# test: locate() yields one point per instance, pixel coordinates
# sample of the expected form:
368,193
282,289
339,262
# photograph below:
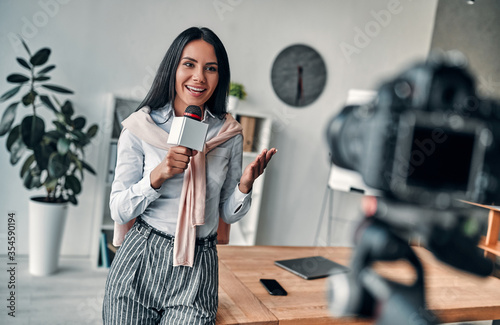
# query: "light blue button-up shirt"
133,196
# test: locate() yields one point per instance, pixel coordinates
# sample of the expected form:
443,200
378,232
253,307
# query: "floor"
73,295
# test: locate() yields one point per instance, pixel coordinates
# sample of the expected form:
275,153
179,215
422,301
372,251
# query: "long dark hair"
163,89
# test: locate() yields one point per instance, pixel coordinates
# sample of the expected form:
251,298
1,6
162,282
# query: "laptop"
313,267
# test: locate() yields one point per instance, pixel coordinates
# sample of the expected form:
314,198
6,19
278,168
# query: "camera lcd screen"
440,159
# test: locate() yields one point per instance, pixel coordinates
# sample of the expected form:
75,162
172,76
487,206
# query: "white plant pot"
232,103
46,225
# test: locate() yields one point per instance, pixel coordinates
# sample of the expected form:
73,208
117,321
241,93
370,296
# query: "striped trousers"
144,288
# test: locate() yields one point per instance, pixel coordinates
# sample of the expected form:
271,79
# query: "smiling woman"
164,88
172,202
197,76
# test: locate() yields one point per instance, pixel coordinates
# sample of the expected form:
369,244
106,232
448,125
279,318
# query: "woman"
166,270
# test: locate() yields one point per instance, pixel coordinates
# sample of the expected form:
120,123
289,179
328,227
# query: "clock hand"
300,90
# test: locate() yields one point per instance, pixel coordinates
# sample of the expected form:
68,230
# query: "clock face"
298,75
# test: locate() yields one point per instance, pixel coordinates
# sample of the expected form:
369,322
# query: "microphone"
193,112
188,130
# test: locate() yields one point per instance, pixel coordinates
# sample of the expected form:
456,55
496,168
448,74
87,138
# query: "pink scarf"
193,195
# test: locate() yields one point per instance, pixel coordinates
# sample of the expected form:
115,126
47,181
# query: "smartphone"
273,287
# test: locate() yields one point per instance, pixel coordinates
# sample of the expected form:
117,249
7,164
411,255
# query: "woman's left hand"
255,169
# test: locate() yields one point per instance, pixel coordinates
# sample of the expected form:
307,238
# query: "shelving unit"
119,109
242,233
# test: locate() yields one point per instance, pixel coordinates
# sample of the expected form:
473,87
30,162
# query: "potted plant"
54,156
236,93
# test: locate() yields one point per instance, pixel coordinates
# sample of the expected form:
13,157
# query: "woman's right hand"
175,162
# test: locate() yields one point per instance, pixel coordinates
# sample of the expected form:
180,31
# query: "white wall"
112,46
474,29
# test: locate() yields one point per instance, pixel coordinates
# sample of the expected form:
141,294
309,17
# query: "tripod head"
385,237
450,234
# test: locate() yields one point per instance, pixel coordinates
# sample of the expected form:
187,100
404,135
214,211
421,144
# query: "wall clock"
298,75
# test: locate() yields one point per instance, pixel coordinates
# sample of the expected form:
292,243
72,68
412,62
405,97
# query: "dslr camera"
427,139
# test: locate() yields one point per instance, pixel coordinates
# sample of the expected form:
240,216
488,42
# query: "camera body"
426,139
426,142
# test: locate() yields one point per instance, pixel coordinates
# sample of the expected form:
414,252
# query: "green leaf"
42,78
237,90
60,126
25,46
27,164
28,180
82,142
79,135
53,136
73,184
88,168
58,89
46,69
56,100
67,108
32,178
92,131
72,199
62,146
80,138
23,63
36,177
37,181
10,93
74,159
47,102
17,78
79,165
27,130
58,165
14,134
79,123
16,151
42,155
29,98
50,183
68,121
8,118
40,57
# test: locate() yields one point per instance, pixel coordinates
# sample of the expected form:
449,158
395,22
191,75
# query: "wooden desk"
454,296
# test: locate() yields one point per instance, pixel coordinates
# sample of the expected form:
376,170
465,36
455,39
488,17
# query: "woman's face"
197,76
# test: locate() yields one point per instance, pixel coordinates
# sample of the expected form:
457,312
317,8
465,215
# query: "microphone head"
193,112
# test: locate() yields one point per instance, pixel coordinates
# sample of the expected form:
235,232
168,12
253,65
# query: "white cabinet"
118,109
242,233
